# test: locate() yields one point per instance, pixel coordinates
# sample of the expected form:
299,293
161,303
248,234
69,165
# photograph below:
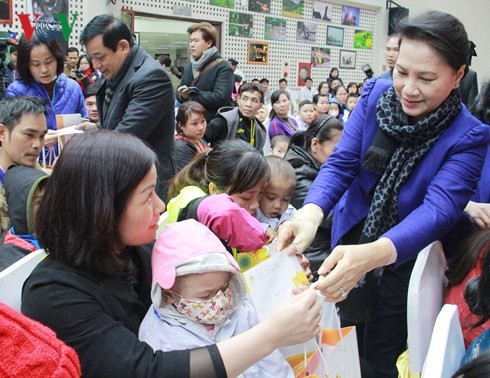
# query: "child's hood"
189,247
21,183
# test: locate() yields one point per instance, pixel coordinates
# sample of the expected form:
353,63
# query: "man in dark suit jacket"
136,96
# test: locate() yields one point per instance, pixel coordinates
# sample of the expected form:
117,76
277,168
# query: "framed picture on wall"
322,11
347,59
350,16
363,39
320,57
127,16
292,8
46,6
304,71
306,32
258,52
335,36
275,29
240,24
6,12
261,6
223,3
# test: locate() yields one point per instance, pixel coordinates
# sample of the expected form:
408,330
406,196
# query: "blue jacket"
477,347
67,97
431,200
482,193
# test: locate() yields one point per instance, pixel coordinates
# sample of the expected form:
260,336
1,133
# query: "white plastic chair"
446,348
425,300
12,278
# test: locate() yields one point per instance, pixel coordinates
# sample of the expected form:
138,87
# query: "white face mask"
333,113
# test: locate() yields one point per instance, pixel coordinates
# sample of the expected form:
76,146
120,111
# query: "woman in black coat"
93,289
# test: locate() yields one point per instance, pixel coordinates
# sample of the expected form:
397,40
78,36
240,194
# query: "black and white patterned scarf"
396,149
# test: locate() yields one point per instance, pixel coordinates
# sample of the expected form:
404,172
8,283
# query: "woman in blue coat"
406,165
40,67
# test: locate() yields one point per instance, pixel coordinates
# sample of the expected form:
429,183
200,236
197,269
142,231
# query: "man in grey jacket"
136,96
240,122
208,79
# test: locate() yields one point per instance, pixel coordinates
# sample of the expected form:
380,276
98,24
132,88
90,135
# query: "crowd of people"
354,179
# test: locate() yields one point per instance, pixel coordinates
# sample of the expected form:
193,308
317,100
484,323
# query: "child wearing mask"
335,109
199,296
274,206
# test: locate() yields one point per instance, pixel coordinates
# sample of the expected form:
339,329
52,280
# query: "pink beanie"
30,349
183,241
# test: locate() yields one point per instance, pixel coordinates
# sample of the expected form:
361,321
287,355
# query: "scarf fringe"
377,159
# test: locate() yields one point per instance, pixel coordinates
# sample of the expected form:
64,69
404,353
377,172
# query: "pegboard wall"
290,50
280,52
25,6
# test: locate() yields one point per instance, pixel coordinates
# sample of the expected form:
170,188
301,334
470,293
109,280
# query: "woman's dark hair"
442,32
164,59
232,165
466,256
321,129
274,98
322,83
184,112
334,69
350,85
86,197
111,28
477,292
85,56
481,106
336,89
478,367
24,55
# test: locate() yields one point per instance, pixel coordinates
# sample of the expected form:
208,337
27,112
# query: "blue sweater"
67,97
430,201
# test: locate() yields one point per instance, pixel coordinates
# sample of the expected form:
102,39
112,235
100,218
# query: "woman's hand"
51,138
479,212
298,233
347,264
294,321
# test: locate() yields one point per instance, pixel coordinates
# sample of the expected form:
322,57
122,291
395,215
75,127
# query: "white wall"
472,13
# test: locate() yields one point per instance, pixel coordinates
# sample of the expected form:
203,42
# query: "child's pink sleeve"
231,223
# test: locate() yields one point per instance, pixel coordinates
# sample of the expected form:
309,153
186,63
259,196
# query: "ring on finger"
343,294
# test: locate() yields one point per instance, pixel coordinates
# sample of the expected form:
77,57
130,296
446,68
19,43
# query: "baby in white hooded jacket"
199,297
